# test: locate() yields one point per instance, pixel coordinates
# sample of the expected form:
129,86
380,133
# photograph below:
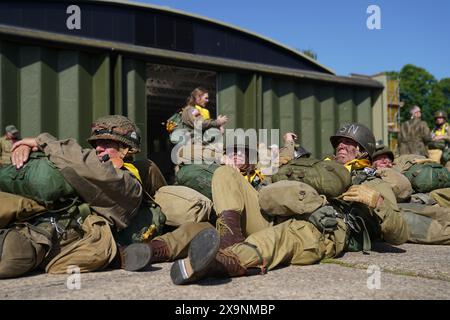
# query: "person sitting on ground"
103,179
228,253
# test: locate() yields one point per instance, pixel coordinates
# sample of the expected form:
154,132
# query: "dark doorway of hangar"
168,87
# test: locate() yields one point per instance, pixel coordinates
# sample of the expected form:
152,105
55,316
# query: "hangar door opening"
168,87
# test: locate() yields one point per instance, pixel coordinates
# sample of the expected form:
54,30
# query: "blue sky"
414,31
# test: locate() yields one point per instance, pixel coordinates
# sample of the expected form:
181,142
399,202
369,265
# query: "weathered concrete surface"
407,272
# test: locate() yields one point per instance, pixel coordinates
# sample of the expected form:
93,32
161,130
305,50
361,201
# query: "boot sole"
202,251
136,257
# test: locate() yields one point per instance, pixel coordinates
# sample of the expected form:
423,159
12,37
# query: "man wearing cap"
105,179
414,134
297,241
6,143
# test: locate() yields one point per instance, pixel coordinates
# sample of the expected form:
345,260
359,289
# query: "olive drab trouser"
232,192
55,245
178,240
22,248
394,229
94,250
427,224
441,196
294,241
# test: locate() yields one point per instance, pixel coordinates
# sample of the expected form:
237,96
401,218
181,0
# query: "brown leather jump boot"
160,251
229,226
134,257
205,259
138,256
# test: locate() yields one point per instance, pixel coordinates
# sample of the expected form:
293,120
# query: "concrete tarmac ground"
408,271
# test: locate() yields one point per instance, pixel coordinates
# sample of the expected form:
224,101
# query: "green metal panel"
50,90
134,72
309,131
119,84
30,90
9,85
101,101
49,96
363,105
270,104
345,107
237,97
288,102
69,95
326,119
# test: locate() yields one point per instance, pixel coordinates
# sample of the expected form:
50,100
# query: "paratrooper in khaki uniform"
427,215
295,241
103,177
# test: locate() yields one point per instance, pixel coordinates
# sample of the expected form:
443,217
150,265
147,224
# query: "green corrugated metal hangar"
61,66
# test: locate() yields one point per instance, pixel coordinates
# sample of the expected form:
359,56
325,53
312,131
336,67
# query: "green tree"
440,96
310,53
416,85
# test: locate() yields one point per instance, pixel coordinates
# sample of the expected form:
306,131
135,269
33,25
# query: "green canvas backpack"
197,177
38,179
426,177
327,177
147,224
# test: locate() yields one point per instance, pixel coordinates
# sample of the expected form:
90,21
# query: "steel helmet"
117,128
440,114
358,133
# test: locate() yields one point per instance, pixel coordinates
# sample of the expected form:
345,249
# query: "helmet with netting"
117,128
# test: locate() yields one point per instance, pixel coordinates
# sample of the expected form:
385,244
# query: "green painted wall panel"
287,104
62,91
101,101
9,85
308,115
327,118
30,91
69,93
49,93
85,92
345,107
270,104
237,98
134,71
363,106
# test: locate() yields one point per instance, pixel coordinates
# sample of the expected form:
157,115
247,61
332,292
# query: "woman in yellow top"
440,136
196,110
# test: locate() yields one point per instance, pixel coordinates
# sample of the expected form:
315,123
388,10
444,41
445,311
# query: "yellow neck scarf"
204,112
357,164
130,167
441,131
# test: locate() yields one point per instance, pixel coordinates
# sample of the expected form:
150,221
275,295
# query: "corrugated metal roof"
223,24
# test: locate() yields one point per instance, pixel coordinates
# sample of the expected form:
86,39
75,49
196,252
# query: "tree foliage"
416,85
310,53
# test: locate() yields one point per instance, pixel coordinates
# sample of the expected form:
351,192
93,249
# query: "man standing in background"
414,134
6,142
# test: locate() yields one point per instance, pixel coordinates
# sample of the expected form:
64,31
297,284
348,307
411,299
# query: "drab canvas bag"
38,179
147,224
197,177
327,177
425,177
